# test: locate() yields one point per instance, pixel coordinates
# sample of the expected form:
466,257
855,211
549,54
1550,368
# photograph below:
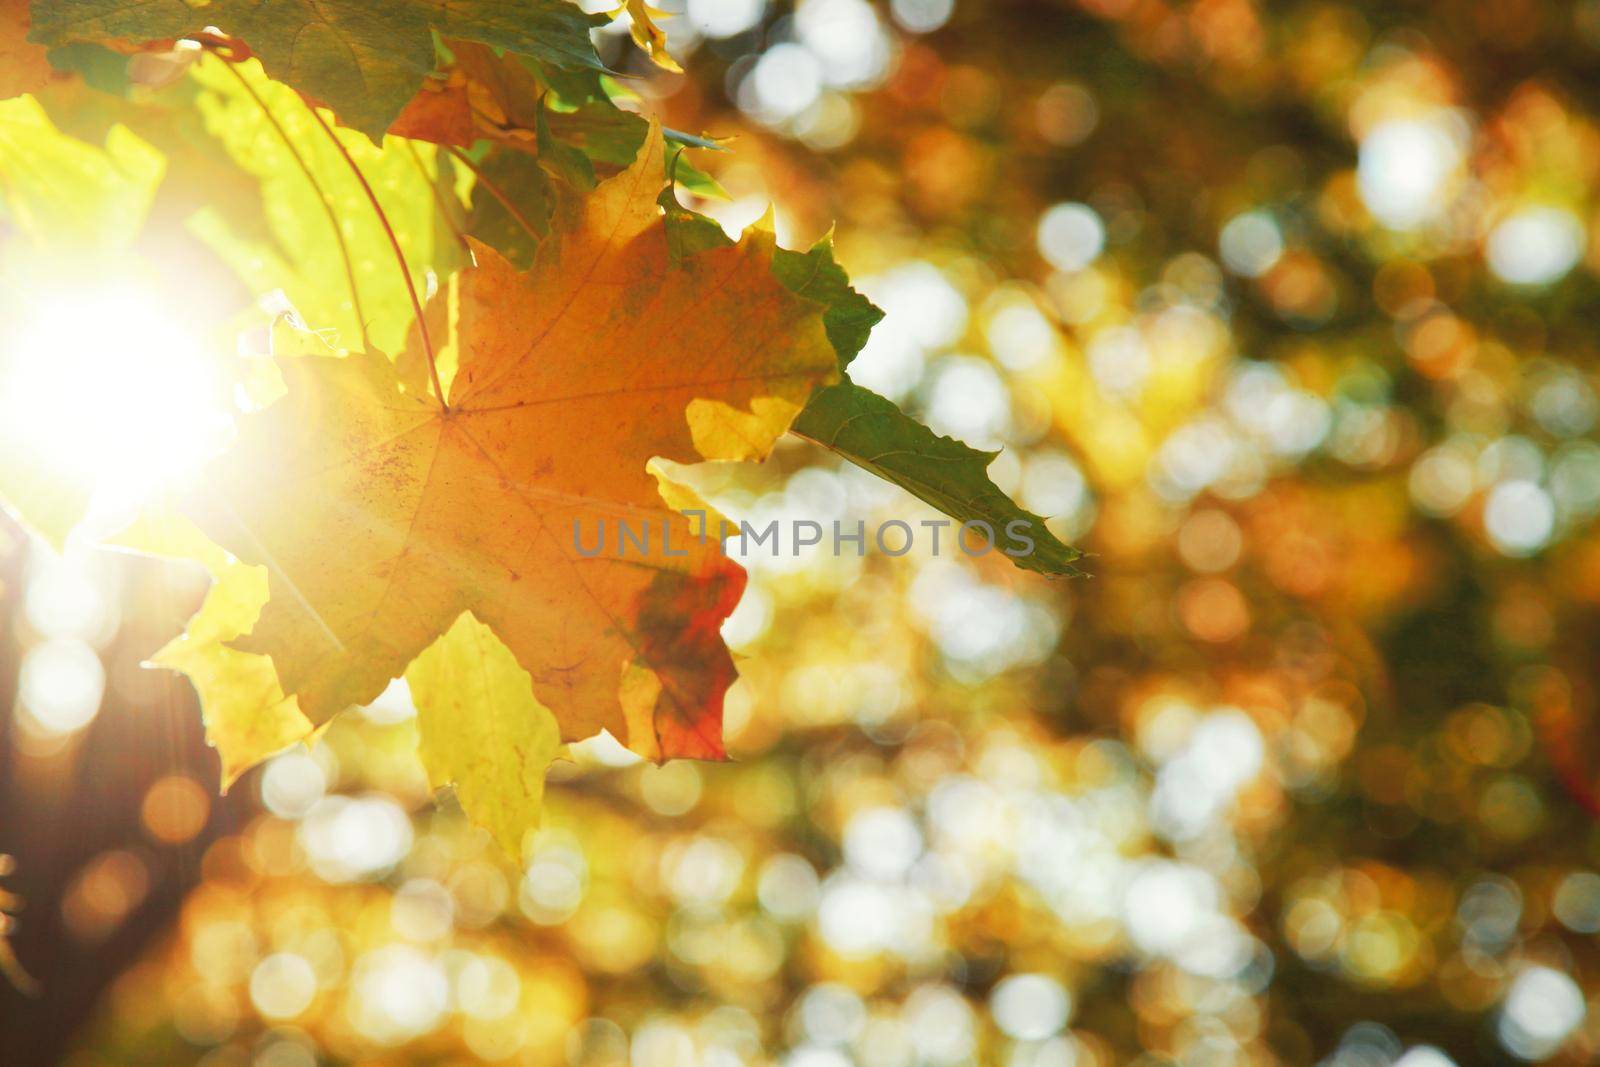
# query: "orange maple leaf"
24,67
382,514
440,112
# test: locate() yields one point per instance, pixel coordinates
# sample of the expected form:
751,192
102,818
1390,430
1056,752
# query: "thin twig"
399,254
494,191
316,186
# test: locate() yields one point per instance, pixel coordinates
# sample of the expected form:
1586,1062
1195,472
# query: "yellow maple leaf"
480,728
382,513
246,714
10,966
646,34
247,717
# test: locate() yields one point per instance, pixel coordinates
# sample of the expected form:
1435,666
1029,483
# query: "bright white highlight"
109,392
1541,1008
1071,236
1405,169
1536,246
1250,243
1030,1007
725,18
61,685
1519,517
282,986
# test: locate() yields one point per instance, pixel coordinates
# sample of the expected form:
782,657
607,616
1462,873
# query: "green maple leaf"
514,226
871,431
363,59
874,434
816,276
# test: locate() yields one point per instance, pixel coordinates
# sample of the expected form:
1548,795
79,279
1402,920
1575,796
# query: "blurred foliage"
1280,311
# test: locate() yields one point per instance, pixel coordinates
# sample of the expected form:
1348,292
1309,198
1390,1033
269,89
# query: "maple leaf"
874,434
383,515
547,112
62,192
24,67
871,431
480,728
246,715
244,710
512,223
441,112
504,95
646,34
364,60
326,248
877,436
69,205
10,966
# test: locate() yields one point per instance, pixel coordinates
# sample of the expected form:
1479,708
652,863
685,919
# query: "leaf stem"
316,186
399,254
494,191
